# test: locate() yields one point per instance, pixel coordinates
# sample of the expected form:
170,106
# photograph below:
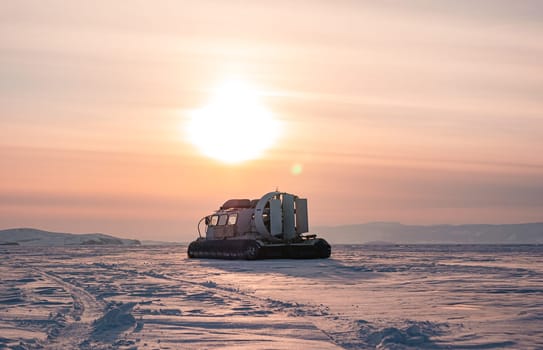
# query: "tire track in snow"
291,308
226,296
78,326
313,313
342,331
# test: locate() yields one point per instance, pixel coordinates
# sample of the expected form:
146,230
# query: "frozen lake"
364,297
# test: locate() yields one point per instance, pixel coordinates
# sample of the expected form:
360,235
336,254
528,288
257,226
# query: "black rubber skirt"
251,250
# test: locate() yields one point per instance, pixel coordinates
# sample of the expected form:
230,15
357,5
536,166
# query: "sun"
234,126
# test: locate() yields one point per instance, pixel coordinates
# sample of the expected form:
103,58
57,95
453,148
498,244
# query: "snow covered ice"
363,297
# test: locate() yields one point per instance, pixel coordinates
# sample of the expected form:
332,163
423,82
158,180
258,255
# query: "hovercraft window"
214,220
232,219
223,219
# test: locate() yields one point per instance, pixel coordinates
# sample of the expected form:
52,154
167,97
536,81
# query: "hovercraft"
272,227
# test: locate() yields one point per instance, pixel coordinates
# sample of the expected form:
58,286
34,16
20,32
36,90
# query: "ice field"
363,297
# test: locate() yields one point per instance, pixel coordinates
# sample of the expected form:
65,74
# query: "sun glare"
234,126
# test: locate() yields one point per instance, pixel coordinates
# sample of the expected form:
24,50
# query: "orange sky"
415,111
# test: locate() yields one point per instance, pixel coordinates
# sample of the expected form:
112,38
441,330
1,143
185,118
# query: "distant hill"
34,237
392,232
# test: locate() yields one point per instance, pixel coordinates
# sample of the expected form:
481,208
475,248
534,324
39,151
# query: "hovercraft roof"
239,203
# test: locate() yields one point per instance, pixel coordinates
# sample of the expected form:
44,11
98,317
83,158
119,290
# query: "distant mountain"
34,237
393,232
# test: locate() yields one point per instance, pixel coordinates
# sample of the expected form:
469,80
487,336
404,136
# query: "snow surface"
364,297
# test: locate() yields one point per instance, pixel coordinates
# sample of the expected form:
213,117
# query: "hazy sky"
414,111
